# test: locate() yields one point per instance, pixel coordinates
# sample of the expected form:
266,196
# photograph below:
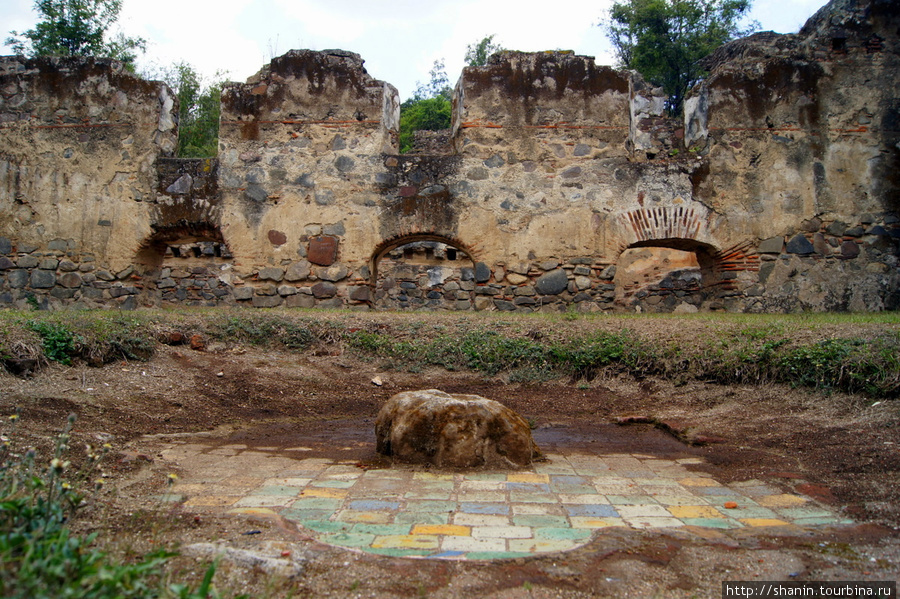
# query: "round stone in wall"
453,431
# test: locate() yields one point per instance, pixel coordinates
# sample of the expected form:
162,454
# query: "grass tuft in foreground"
40,558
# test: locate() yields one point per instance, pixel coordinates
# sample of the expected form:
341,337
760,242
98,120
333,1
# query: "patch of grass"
40,558
821,351
261,330
57,341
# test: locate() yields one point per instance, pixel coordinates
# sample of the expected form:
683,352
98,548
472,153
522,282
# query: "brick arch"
389,244
152,250
685,225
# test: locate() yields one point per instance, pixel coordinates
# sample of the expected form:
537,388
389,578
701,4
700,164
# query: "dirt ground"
841,450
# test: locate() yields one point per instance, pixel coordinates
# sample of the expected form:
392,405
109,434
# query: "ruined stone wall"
78,146
800,135
563,185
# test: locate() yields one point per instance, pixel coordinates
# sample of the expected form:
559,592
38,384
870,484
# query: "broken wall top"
331,85
78,91
543,89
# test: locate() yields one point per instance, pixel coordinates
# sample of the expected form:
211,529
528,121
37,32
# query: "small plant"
40,558
58,342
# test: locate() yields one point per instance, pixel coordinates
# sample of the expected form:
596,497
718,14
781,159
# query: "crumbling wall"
302,155
79,139
800,138
778,191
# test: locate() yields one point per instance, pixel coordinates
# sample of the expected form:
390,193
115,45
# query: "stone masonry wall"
781,183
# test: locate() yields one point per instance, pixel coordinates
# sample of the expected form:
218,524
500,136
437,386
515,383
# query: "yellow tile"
762,522
442,529
542,546
699,482
783,500
323,492
253,511
587,522
695,511
367,517
527,477
405,542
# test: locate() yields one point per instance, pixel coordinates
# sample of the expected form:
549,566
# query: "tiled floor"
556,505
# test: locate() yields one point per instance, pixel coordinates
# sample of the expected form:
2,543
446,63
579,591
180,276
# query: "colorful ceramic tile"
406,542
501,532
694,511
442,529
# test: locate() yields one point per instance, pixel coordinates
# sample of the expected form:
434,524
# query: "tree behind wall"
198,107
428,109
76,28
664,39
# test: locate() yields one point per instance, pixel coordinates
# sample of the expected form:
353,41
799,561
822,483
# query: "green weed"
40,558
57,341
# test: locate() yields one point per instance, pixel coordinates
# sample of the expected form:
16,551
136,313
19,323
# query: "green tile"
422,518
301,515
327,526
750,512
526,497
428,494
316,503
399,552
169,498
795,513
562,534
573,489
333,484
345,539
822,521
382,529
541,520
434,485
278,490
487,476
630,499
431,506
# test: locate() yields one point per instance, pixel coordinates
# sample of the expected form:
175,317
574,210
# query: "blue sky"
399,40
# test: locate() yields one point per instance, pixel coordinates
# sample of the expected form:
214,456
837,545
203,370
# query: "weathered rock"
773,245
799,244
453,431
297,271
271,274
552,283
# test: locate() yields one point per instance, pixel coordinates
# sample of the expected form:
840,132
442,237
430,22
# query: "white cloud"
399,39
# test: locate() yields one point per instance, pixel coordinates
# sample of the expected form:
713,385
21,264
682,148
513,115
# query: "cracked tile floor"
554,506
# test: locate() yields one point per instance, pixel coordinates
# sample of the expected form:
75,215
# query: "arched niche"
422,271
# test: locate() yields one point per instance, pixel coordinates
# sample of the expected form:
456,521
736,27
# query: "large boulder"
453,431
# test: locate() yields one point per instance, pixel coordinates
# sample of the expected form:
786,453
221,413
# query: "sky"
399,39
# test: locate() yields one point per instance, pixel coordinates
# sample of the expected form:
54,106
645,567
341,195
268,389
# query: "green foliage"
586,357
76,28
664,39
40,558
754,351
429,108
264,331
477,54
438,83
431,114
57,341
198,111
